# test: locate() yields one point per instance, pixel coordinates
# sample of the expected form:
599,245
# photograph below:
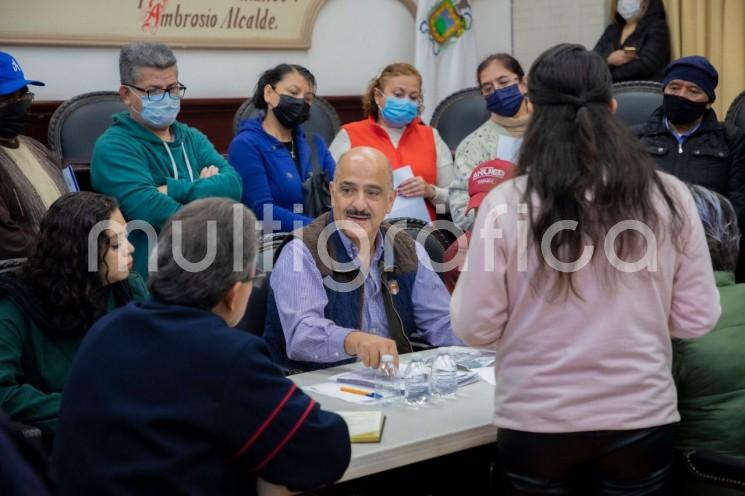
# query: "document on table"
487,375
364,427
407,207
333,389
366,377
474,364
508,148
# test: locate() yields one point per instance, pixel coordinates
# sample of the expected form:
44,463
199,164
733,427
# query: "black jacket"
713,156
651,39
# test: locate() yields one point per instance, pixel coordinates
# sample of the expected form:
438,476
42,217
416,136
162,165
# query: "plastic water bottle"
387,383
444,375
416,383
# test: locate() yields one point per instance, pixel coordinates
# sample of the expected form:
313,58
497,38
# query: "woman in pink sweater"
579,272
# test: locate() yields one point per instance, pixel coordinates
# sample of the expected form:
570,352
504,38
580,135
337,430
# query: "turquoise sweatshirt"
130,163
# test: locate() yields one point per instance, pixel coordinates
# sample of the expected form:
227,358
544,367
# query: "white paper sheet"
508,148
333,389
487,375
407,207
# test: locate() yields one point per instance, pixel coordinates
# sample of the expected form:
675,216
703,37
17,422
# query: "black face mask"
681,111
291,111
13,119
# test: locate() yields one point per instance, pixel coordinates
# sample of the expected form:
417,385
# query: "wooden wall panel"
214,117
349,108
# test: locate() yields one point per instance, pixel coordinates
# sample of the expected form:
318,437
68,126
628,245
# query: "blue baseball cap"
11,75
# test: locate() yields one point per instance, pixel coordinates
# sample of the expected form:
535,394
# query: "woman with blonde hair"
392,105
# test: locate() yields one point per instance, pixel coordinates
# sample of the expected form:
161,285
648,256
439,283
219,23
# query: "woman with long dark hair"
579,272
272,153
48,306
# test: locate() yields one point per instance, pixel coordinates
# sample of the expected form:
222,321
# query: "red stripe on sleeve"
266,423
287,437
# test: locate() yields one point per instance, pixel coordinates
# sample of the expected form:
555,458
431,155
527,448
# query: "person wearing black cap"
686,137
30,180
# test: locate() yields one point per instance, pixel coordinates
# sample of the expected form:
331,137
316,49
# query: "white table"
413,434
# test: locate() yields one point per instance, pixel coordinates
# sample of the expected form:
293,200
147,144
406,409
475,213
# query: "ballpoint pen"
361,392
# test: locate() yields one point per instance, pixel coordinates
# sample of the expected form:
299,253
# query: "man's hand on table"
370,348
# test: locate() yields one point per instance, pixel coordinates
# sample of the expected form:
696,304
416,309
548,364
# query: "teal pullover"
130,162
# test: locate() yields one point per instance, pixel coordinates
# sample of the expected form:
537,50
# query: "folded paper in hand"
407,207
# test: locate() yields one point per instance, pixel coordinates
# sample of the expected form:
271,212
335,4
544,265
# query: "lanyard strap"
173,161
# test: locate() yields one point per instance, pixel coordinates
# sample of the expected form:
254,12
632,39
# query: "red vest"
416,148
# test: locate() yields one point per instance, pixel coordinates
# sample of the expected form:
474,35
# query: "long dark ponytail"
275,75
583,164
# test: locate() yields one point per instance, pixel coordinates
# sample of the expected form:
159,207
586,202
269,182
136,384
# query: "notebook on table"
364,427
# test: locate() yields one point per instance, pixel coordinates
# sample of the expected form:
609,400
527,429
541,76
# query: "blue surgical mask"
160,114
399,112
506,101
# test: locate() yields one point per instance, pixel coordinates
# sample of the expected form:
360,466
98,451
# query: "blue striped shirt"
301,300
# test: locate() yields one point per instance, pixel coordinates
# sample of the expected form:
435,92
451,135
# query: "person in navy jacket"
166,397
272,153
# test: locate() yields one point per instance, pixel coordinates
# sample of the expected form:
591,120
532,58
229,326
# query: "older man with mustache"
349,284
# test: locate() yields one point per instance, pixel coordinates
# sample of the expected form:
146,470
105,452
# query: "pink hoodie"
597,363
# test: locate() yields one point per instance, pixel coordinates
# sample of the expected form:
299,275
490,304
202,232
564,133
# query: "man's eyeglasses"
27,97
157,94
492,86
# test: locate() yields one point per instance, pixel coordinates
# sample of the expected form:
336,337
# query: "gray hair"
137,55
218,249
720,226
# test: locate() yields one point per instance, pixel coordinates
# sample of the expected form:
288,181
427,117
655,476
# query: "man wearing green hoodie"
151,163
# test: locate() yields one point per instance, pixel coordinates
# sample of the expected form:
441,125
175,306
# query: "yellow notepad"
364,427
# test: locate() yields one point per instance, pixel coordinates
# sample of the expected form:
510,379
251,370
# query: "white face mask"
628,9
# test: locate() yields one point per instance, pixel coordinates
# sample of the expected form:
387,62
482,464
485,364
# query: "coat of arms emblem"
447,21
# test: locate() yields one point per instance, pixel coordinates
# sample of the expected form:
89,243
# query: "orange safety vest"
416,148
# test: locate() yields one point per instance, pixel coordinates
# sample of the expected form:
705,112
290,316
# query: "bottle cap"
387,358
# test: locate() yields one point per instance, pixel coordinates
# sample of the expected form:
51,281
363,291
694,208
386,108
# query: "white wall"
493,25
352,40
541,24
